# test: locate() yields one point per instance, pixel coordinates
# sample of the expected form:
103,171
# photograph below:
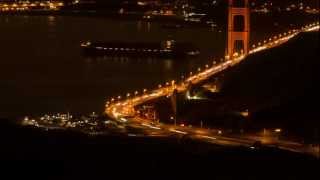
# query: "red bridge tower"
238,27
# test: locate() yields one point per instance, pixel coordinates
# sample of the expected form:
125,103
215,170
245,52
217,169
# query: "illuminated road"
121,109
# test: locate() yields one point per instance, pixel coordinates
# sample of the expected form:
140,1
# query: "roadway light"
264,41
159,86
136,93
278,130
173,82
207,66
112,99
259,44
199,69
235,54
172,118
167,84
119,97
253,46
128,95
190,73
144,90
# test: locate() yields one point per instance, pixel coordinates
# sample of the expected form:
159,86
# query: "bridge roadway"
123,110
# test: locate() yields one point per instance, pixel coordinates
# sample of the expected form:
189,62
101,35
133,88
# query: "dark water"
42,68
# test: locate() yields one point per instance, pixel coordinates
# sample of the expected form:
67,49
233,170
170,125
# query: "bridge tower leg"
238,27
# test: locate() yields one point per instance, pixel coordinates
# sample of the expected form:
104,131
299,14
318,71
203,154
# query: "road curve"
119,109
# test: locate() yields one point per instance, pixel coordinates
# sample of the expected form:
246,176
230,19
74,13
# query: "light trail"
117,110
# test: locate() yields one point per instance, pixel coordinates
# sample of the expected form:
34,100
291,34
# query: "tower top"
239,3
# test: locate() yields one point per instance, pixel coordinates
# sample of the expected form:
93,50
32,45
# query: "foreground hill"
280,86
33,153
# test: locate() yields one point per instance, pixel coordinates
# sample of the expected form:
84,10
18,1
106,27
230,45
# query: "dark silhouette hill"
32,153
280,86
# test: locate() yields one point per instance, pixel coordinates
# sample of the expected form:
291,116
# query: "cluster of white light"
265,8
23,6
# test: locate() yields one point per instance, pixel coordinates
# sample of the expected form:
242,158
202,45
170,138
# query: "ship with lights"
167,48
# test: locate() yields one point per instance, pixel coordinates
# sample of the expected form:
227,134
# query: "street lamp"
174,119
173,82
278,130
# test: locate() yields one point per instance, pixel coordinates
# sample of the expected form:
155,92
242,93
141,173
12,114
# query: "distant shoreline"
91,13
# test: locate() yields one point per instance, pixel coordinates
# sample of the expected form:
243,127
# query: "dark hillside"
281,85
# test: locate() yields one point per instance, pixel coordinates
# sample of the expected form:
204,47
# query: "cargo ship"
168,48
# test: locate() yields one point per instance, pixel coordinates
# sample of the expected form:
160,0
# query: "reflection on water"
42,68
51,20
168,64
144,26
165,64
